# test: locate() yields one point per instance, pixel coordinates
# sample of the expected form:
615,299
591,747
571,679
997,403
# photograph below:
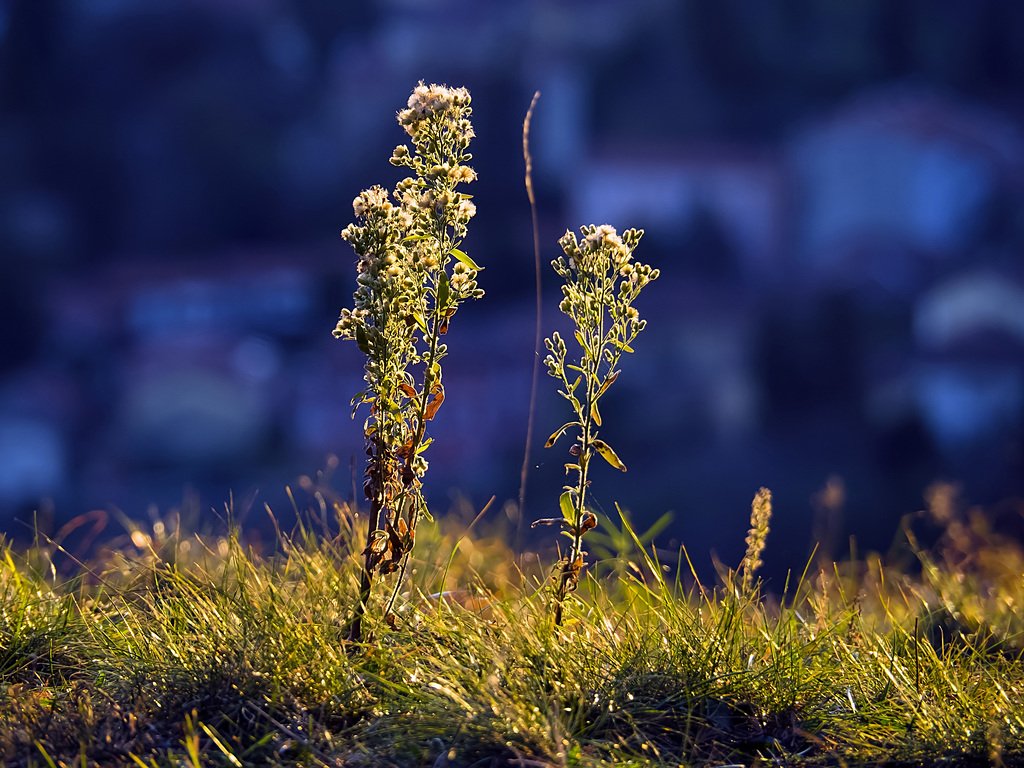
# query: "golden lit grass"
156,655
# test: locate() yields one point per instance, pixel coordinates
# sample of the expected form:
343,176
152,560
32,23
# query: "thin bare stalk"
536,346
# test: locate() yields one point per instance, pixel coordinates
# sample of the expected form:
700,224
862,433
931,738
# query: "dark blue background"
832,191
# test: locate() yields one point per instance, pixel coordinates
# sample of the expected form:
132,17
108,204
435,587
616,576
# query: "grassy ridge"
184,651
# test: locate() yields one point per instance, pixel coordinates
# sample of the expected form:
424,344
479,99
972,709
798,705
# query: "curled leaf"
558,433
595,414
607,383
608,454
549,521
403,452
378,543
443,328
435,403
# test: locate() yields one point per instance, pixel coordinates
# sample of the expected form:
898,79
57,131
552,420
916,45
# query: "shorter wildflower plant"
601,282
408,291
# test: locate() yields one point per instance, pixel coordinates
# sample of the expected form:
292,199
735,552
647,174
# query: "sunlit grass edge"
167,654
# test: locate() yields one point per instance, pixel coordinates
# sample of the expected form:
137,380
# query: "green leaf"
461,256
558,433
579,338
608,454
595,414
361,342
415,238
443,291
418,318
565,504
622,345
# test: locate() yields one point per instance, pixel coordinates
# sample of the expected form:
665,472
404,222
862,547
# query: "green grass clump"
216,655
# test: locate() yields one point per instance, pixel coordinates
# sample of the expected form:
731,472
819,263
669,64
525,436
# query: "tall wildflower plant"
412,277
601,282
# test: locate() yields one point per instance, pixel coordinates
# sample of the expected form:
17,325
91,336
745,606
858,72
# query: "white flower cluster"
402,247
375,197
602,251
603,234
600,277
463,282
385,269
427,101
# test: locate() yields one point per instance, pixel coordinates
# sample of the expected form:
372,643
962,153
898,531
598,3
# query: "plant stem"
381,470
377,512
570,571
418,433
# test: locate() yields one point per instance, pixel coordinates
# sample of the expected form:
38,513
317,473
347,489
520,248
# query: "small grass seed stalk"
408,290
757,536
601,282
